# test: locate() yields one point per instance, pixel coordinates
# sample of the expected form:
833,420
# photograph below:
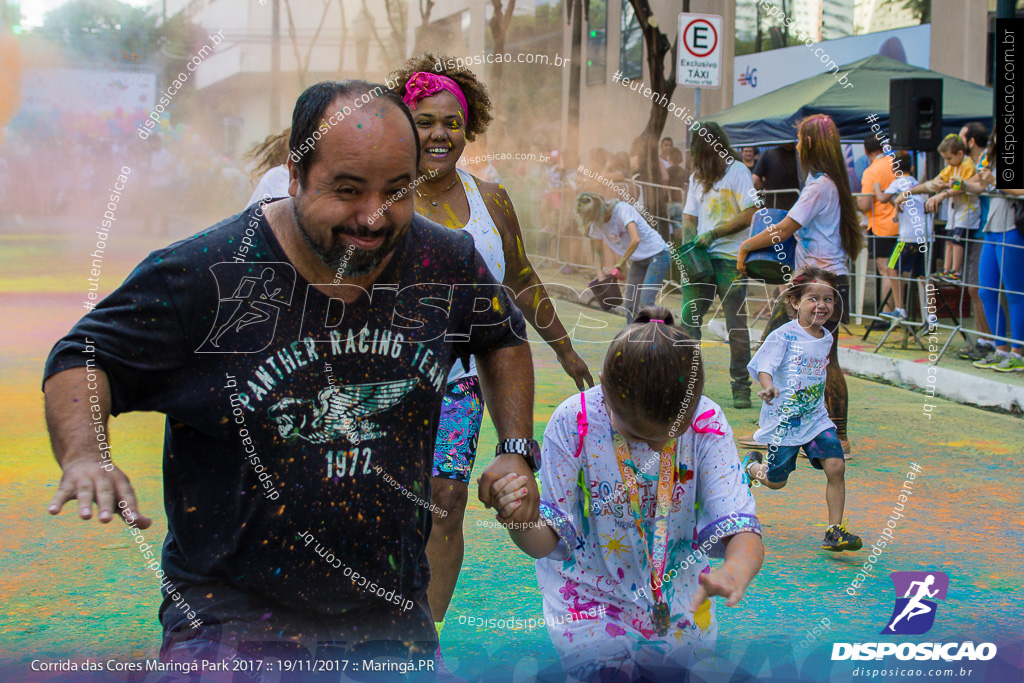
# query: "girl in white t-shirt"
619,225
640,483
790,366
826,224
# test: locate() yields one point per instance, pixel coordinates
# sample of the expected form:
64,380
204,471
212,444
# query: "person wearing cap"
639,246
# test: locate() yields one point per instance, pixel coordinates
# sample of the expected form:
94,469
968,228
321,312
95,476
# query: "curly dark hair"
479,101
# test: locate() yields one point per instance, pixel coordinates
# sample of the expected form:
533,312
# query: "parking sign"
700,59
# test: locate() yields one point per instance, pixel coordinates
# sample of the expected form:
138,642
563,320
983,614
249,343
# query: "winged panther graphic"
338,412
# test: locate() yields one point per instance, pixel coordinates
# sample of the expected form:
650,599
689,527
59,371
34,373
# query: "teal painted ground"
77,590
962,519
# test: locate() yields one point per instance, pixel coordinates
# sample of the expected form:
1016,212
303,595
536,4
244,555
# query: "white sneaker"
898,314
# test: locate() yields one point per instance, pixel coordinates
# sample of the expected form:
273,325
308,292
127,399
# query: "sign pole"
696,103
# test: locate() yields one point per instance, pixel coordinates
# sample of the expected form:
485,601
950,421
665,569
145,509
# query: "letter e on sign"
700,59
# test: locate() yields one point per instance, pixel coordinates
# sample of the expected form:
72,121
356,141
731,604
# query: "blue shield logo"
914,613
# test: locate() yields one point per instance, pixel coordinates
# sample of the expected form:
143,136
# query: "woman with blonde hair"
829,236
639,247
271,158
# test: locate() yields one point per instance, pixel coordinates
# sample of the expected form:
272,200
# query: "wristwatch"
528,448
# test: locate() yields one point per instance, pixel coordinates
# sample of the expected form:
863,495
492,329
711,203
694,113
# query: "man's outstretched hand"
86,480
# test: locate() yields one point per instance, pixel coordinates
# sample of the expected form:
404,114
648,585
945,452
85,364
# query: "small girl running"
640,483
790,365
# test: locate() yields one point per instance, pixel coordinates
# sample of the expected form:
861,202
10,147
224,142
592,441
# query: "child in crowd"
638,473
915,225
964,212
790,365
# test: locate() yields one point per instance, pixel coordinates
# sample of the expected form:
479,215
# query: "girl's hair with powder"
654,369
820,152
951,144
805,276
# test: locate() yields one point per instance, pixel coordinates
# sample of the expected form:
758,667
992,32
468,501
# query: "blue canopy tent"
772,118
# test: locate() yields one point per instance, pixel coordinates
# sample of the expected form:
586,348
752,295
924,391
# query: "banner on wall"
762,72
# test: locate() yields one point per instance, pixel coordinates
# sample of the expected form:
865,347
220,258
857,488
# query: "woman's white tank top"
488,243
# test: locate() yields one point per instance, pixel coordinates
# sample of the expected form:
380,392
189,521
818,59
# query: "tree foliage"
95,29
108,32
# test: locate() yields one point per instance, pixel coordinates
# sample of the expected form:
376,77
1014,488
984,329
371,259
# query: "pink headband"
425,84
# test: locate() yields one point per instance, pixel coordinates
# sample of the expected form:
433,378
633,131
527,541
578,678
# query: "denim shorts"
781,460
956,235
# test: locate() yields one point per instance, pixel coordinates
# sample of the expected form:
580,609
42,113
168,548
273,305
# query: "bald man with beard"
300,435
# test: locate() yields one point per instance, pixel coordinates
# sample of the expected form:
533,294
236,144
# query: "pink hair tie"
656,320
425,84
706,423
582,427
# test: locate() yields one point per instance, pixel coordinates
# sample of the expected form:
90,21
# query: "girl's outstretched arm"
744,554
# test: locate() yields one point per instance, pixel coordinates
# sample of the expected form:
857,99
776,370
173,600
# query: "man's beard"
352,261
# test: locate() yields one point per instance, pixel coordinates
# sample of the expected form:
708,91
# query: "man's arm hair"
87,475
68,415
506,378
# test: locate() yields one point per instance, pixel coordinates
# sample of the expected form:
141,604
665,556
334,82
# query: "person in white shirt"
270,157
663,151
826,223
790,366
915,230
719,207
619,225
641,484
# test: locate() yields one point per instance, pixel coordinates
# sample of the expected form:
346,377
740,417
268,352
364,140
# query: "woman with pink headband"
450,108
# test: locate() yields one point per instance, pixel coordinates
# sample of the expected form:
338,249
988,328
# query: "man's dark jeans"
241,626
730,286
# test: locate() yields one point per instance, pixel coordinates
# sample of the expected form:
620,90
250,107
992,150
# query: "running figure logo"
914,613
247,318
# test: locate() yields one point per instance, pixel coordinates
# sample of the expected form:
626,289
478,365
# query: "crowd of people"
644,457
897,213
58,175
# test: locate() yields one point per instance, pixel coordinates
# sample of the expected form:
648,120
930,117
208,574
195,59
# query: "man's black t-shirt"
289,413
777,168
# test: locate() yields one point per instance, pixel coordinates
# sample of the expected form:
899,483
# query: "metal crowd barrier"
554,240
